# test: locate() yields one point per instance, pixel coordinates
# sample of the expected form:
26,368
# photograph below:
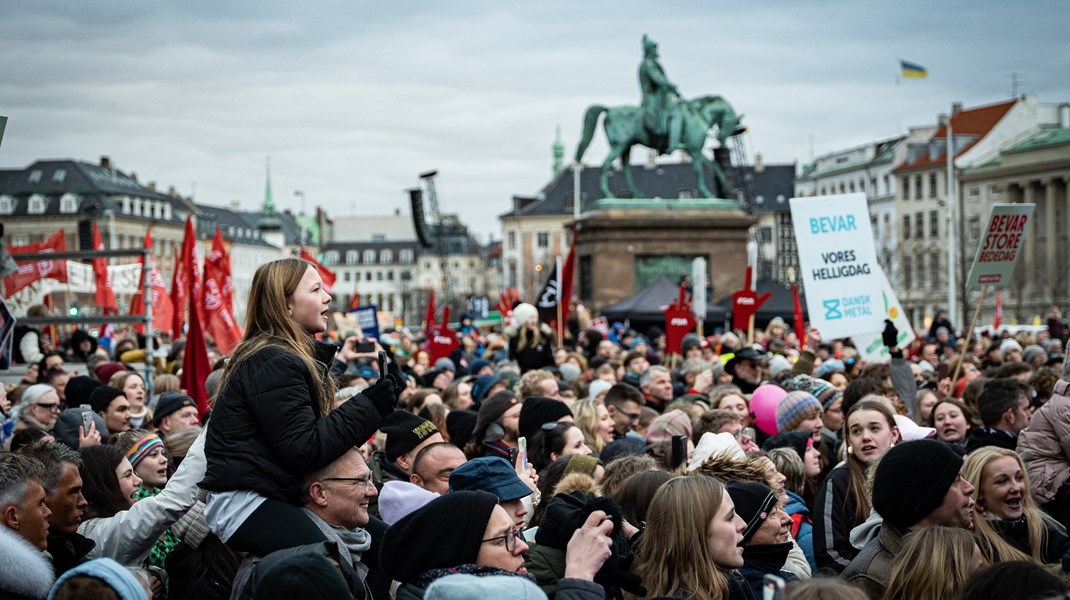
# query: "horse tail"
590,121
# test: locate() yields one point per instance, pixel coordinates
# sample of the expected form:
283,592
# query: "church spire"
559,153
268,221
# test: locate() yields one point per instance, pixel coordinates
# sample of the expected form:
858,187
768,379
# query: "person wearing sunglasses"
469,533
40,408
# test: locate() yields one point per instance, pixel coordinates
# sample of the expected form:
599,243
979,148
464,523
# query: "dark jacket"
267,429
986,436
871,570
68,551
833,517
533,357
547,565
1016,533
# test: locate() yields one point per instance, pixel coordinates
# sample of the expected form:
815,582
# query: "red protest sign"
745,303
678,322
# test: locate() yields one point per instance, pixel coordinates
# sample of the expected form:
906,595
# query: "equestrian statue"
664,122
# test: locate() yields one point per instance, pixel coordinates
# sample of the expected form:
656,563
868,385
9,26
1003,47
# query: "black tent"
647,307
780,304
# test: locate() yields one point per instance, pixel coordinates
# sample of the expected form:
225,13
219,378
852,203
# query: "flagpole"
952,293
969,332
560,289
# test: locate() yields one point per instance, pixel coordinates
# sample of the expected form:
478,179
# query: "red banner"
429,318
31,271
443,340
800,325
326,275
558,291
185,284
218,308
105,296
162,309
678,322
745,303
195,367
998,319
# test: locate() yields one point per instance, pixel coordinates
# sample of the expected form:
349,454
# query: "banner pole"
969,332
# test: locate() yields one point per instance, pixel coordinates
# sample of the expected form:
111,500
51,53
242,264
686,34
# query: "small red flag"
195,367
105,297
800,326
326,275
218,312
31,271
162,309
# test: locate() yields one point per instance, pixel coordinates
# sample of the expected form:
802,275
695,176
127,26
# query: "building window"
68,203
35,176
906,227
406,256
59,175
934,269
542,239
512,240
934,224
347,276
331,257
351,257
917,187
919,224
767,235
908,273
932,185
387,257
7,205
511,275
369,257
368,276
994,192
378,275
906,187
920,270
975,227
390,276
974,193
38,204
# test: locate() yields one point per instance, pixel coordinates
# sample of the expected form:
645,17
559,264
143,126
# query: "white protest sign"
999,247
870,345
838,264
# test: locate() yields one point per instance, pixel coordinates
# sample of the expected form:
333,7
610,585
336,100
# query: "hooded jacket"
24,570
1045,445
802,526
267,431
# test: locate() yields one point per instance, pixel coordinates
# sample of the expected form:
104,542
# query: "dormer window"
38,204
369,257
7,205
351,257
59,175
68,204
35,176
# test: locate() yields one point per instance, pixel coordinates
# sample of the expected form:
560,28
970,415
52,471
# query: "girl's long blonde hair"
992,544
933,564
267,323
675,555
585,415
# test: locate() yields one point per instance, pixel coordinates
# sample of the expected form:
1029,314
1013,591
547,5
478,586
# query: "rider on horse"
660,111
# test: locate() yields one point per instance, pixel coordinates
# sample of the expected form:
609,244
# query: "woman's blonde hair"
268,323
675,554
585,415
992,544
165,383
933,564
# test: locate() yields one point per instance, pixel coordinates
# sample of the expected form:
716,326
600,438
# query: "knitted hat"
690,341
78,390
143,448
491,410
445,364
405,431
912,480
309,571
832,365
447,532
460,424
798,441
398,499
777,365
471,587
597,387
490,474
1032,351
1006,346
113,574
793,408
524,311
581,463
569,371
754,503
170,403
537,411
477,365
715,443
824,391
674,422
102,397
105,371
626,446
482,386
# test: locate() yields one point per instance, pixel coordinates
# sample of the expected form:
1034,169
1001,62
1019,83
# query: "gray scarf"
351,542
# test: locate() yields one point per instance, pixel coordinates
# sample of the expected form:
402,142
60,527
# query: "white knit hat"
524,311
711,444
400,498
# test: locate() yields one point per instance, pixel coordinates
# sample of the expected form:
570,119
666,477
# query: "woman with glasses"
40,408
468,533
274,420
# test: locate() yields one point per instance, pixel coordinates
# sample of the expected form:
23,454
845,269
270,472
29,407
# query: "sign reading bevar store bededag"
838,264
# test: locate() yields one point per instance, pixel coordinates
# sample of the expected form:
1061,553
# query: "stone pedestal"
614,234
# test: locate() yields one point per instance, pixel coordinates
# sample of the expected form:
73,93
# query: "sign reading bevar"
999,247
838,264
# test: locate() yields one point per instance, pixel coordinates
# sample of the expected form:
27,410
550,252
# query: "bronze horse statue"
624,126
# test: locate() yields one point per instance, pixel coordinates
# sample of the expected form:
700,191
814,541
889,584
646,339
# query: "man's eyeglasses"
510,539
361,481
631,416
52,407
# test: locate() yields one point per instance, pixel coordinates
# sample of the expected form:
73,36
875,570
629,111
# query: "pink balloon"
763,403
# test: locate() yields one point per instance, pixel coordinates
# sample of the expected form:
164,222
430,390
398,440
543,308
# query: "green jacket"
547,565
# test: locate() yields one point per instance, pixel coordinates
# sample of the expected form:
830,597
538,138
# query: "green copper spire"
559,152
268,221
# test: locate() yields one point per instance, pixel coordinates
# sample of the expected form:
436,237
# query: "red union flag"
31,271
185,284
218,298
162,309
105,297
326,275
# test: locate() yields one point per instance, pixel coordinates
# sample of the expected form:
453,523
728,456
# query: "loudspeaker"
85,235
416,202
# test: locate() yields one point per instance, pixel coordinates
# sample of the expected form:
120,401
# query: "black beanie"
537,411
405,431
460,424
446,532
78,390
912,480
754,503
101,397
796,440
170,403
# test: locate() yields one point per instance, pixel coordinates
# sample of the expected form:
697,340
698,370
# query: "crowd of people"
333,465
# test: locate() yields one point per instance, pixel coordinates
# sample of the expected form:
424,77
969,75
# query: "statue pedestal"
625,244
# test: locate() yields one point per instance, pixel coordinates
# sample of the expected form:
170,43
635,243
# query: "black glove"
890,335
617,573
383,395
392,371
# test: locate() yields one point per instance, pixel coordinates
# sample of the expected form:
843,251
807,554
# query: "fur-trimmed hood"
24,570
578,482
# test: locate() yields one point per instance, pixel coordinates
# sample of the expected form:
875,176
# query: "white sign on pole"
838,264
870,345
1000,245
698,287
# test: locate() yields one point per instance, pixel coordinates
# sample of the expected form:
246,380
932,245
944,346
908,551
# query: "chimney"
152,185
105,162
171,190
941,119
759,163
235,205
956,108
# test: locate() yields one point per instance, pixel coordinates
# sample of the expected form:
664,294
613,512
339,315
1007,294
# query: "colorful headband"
143,448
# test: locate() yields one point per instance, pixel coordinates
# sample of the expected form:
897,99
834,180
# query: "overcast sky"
352,100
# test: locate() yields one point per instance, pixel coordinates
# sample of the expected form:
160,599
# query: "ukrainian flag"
912,71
